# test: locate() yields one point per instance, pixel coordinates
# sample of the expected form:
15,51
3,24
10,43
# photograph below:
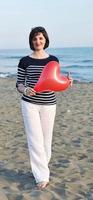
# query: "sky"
69,23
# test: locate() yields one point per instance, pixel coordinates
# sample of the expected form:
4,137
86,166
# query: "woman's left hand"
70,78
71,81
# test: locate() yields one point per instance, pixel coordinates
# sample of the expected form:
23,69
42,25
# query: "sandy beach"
71,164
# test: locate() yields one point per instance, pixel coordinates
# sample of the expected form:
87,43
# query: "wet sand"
71,164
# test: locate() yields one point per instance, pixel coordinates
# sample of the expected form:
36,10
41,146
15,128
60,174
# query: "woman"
38,109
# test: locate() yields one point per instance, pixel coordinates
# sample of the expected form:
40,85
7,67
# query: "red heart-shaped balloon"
51,79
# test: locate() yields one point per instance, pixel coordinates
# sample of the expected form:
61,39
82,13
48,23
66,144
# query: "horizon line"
49,47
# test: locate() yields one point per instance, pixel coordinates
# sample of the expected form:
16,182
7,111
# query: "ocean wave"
10,57
5,75
84,61
87,61
77,66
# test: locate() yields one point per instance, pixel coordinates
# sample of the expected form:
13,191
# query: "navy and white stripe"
29,70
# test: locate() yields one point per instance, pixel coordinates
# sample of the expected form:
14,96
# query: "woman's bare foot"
42,185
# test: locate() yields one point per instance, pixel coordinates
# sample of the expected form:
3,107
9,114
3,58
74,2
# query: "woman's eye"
41,38
34,39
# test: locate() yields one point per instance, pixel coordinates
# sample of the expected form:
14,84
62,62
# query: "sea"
78,61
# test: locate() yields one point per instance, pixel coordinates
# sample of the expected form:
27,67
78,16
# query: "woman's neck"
39,54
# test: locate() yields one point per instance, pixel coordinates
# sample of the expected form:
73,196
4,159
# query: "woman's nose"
38,40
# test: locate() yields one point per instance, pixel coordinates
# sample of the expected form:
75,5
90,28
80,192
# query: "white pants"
38,122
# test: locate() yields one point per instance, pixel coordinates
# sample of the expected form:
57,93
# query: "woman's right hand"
29,91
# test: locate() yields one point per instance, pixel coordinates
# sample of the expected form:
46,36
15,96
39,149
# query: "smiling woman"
38,109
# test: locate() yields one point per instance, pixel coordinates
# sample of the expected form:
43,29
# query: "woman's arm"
20,88
25,90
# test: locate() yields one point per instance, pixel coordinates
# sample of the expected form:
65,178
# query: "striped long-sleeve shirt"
29,71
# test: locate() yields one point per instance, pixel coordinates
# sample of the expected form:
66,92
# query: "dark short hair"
34,32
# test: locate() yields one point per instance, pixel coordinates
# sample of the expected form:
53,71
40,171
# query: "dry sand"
71,164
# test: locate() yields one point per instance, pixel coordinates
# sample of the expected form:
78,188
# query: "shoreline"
75,81
71,164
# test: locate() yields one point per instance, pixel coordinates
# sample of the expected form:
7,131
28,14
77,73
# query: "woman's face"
39,41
